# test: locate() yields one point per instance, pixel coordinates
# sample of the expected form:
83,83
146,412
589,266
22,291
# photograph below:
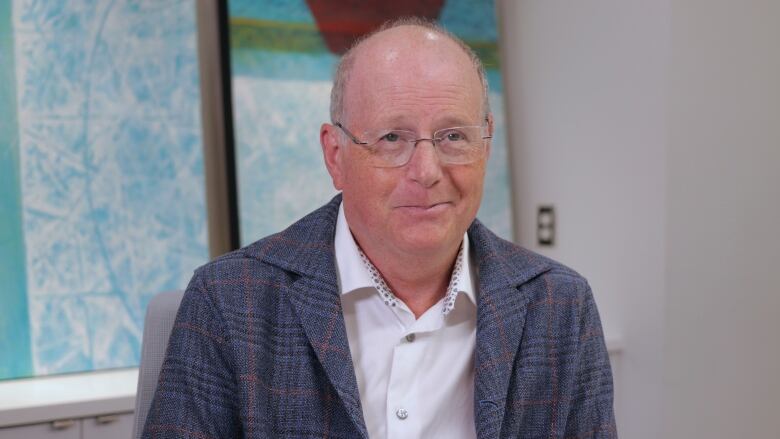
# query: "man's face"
410,79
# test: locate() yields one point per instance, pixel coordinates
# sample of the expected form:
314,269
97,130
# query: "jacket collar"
306,249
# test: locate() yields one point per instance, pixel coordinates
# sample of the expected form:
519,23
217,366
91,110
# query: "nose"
424,167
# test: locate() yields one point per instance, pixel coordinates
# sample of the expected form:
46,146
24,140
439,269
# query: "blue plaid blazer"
259,348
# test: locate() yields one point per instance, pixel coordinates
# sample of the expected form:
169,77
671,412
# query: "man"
390,312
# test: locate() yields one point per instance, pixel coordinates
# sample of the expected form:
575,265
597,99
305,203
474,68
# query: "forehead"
411,72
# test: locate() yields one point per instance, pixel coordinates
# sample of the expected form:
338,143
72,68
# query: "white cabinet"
65,429
107,426
112,426
95,405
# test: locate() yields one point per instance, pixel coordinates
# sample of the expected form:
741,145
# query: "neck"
420,281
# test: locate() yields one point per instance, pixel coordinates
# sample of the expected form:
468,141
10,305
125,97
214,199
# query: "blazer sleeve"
591,411
196,392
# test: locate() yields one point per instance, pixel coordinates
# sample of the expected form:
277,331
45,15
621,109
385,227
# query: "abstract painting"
102,197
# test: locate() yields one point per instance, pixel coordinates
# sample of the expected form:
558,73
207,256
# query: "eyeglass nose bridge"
434,141
436,150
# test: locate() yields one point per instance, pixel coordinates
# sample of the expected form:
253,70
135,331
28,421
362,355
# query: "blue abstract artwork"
282,64
103,194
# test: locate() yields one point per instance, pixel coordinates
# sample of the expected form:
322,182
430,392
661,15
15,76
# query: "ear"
332,153
491,132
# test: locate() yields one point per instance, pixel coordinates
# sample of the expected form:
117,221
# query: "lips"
425,210
424,205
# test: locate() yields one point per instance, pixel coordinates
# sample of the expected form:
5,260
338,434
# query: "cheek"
469,183
369,186
469,180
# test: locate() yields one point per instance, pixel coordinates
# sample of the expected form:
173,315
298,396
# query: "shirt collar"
353,274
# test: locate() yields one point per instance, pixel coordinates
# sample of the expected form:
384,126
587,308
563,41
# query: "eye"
454,136
390,137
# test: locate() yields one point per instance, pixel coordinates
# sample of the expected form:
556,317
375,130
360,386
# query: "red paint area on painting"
342,22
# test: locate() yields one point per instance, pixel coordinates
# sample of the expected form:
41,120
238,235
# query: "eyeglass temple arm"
351,137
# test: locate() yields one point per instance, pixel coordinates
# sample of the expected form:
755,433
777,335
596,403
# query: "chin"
427,239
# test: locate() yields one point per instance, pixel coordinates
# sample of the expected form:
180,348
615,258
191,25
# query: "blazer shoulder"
562,284
550,275
227,264
524,266
229,277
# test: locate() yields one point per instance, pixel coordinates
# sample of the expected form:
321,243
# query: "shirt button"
410,337
402,414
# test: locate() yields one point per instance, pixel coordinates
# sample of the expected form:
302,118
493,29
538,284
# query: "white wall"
585,88
658,153
723,221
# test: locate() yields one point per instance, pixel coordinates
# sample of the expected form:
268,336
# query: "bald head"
391,46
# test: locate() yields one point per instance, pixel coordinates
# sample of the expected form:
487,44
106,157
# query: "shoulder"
229,279
261,272
555,298
303,248
246,261
557,283
535,274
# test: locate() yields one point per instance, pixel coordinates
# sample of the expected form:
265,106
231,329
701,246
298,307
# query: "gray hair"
347,61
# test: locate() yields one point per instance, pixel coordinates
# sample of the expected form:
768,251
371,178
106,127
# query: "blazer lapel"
501,310
305,250
319,309
498,336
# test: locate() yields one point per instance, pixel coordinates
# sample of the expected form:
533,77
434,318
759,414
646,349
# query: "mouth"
435,207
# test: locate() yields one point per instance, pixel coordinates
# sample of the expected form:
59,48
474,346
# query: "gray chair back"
158,323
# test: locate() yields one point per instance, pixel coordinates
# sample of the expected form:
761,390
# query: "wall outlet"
545,226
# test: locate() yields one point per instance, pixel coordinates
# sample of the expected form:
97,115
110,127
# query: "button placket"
401,392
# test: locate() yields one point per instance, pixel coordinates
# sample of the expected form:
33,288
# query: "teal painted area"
15,346
470,19
295,11
495,82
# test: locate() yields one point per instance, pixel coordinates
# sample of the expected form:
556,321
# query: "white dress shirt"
415,376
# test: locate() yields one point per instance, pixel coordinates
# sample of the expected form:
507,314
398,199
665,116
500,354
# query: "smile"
426,208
